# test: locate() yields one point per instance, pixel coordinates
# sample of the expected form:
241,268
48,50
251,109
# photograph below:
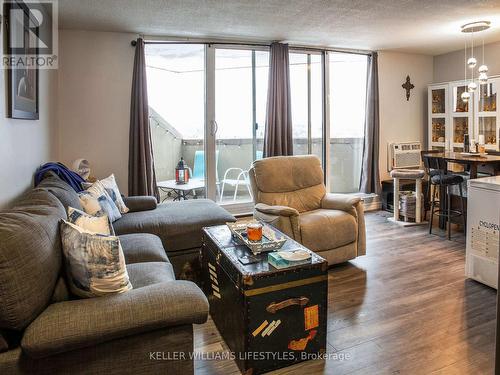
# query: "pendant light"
465,95
471,62
483,69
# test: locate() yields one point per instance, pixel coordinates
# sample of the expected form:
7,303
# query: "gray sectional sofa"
44,330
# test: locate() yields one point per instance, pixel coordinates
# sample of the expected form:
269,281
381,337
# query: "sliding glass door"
176,94
306,89
208,106
347,83
240,103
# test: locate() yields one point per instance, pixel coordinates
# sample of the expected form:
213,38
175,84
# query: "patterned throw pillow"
97,202
94,263
95,224
111,187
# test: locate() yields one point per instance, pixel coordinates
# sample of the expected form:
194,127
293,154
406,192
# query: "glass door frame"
325,60
211,121
211,126
309,53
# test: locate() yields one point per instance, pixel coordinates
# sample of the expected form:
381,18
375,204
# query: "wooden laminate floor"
405,308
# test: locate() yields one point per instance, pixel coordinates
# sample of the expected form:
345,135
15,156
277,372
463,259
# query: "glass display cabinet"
438,116
487,114
461,117
450,118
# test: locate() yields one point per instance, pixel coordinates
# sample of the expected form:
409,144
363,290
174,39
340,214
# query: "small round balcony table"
180,191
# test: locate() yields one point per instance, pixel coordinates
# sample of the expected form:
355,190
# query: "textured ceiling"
425,26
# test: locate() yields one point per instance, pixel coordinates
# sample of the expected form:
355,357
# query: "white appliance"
483,219
403,155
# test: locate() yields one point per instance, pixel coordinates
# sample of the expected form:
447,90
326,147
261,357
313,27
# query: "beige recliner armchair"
289,194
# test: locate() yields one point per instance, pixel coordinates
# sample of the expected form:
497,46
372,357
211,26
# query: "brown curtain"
141,171
370,176
278,135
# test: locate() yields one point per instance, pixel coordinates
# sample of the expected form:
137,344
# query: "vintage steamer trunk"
269,318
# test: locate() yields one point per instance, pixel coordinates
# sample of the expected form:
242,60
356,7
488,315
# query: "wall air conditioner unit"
403,155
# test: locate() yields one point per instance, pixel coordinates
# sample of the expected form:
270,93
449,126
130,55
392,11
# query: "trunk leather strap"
288,285
275,306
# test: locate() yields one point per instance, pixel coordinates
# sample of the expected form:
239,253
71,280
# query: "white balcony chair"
241,179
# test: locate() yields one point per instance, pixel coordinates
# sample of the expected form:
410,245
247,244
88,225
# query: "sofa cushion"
30,257
142,247
327,229
63,191
149,273
178,224
140,203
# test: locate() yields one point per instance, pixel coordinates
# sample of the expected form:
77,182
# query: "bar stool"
429,172
409,174
444,180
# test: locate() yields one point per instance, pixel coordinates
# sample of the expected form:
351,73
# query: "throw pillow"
111,187
94,263
95,224
97,202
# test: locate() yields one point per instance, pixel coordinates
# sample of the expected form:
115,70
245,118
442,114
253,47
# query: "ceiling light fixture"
471,62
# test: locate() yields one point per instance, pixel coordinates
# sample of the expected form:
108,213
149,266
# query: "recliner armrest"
353,206
276,210
76,324
340,202
140,203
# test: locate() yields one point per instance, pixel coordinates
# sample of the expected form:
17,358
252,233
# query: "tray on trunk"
272,240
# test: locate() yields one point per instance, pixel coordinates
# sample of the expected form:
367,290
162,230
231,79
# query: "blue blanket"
64,173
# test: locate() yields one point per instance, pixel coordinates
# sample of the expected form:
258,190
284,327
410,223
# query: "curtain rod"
318,49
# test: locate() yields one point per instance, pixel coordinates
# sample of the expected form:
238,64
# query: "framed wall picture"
22,79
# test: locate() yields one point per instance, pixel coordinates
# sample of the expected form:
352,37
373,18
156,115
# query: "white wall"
450,66
95,81
26,144
402,120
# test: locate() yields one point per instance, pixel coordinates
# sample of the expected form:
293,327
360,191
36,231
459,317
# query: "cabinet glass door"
487,127
439,130
459,106
461,118
460,128
487,116
438,117
438,101
487,97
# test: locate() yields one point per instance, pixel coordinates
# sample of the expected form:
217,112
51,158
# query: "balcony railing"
169,147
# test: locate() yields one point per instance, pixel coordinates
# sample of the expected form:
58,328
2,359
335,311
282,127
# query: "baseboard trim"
372,202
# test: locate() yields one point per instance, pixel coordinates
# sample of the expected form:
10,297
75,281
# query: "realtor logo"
31,34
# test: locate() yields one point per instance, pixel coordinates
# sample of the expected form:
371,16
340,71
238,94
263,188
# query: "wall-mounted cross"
408,86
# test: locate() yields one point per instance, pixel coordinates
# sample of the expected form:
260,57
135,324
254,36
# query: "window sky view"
175,76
